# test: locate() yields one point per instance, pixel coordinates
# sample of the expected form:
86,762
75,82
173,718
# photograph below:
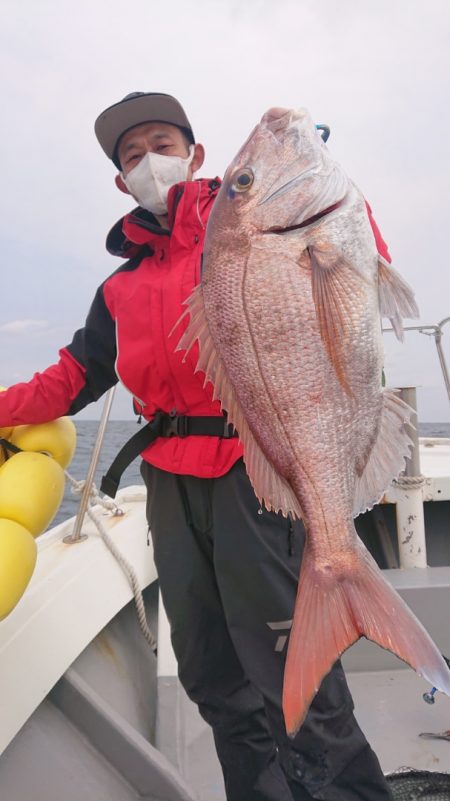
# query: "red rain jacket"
127,336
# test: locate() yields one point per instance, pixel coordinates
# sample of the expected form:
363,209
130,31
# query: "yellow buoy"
58,438
17,560
31,490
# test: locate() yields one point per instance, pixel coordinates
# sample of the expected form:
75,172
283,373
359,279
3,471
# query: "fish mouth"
276,229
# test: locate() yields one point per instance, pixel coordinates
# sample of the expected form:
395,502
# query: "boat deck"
92,714
391,712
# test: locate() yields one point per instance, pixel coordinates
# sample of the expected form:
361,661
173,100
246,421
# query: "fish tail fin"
338,604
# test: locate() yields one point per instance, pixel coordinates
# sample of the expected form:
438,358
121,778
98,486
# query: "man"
228,569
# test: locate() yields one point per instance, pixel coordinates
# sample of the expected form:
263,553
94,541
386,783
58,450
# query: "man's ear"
199,157
121,184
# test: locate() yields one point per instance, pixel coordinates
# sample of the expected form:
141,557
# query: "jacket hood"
118,244
144,224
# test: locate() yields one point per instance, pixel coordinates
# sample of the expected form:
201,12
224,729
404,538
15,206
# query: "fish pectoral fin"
387,457
336,605
336,286
270,488
395,296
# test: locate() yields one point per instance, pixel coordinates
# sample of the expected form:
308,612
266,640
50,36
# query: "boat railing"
436,332
76,535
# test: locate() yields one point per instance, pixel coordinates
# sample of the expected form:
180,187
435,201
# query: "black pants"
228,574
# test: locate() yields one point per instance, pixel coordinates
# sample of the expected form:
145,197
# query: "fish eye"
243,180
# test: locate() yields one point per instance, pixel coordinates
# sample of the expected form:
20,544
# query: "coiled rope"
94,500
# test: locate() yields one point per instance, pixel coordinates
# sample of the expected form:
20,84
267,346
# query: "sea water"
117,433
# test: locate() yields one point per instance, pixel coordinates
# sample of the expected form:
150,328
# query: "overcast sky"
376,72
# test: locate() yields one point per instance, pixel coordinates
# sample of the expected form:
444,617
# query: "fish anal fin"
386,459
270,488
396,297
335,283
338,604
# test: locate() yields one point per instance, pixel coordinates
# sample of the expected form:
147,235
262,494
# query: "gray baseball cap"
134,109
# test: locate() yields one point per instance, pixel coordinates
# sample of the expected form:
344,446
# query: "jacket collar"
139,230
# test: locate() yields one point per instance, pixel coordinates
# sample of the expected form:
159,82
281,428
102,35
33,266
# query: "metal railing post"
409,498
437,339
76,535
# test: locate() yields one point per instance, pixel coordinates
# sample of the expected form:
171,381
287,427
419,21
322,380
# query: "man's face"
150,137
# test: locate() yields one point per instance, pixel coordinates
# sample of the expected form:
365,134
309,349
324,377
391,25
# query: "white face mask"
149,182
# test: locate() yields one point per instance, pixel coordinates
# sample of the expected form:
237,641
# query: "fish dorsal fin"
270,488
396,297
387,456
336,287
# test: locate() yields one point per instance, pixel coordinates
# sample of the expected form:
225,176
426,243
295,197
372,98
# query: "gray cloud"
22,327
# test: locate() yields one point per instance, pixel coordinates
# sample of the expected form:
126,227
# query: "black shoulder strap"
111,480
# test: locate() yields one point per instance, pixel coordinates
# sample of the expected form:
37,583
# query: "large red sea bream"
288,321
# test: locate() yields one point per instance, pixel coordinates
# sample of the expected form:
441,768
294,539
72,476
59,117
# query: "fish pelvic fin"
395,296
270,488
336,605
386,458
336,287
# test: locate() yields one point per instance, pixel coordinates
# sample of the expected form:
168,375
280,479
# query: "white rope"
409,481
132,578
94,500
94,497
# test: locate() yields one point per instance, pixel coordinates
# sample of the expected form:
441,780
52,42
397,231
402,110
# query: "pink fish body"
288,321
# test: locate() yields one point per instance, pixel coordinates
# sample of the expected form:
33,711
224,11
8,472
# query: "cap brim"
117,119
